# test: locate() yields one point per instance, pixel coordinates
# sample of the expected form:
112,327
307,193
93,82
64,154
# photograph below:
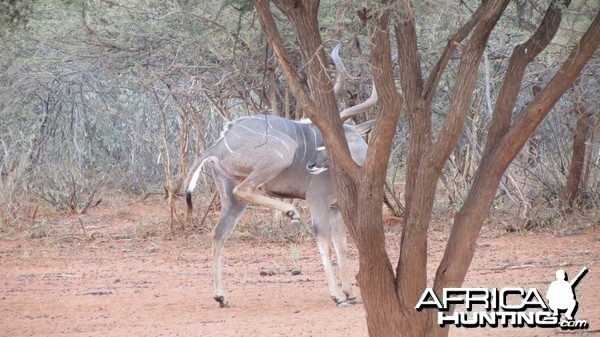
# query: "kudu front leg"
340,243
322,228
325,253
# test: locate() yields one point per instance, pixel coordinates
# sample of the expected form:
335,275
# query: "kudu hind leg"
232,209
229,217
340,243
248,190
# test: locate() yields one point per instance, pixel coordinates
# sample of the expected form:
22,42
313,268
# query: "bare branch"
466,79
522,55
453,43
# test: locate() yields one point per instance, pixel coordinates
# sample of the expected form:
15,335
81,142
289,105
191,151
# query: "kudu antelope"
260,157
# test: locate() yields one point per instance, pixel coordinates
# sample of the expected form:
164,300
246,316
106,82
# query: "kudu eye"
311,165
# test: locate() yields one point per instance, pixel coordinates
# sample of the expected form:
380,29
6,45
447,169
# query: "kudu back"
261,157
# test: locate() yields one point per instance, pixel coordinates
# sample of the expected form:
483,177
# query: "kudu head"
356,144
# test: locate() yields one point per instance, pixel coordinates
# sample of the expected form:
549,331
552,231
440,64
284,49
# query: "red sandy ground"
126,277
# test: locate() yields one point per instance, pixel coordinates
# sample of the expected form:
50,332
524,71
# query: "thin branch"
522,55
436,74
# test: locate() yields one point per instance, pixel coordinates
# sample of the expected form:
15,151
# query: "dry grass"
144,223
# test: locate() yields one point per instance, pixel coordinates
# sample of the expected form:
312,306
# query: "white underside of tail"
196,175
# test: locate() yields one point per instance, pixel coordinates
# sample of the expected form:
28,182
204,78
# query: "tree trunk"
582,127
412,264
376,276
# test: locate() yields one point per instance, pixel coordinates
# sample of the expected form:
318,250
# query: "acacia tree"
390,295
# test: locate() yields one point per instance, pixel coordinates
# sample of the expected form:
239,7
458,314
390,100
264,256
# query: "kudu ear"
366,127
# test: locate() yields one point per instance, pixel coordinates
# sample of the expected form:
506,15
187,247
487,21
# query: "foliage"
13,13
98,89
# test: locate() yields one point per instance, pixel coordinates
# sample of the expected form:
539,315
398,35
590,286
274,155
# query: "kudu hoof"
295,219
223,302
352,300
339,303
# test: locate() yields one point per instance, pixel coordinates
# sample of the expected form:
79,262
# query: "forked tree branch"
419,96
522,55
466,80
536,111
436,74
469,220
412,263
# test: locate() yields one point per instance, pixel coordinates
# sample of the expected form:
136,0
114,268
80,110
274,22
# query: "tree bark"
376,276
582,128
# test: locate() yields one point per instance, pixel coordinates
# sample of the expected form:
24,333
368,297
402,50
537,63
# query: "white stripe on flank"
247,128
304,138
264,119
296,125
283,142
315,136
264,135
227,145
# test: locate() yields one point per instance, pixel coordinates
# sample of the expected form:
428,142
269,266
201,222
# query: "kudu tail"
191,182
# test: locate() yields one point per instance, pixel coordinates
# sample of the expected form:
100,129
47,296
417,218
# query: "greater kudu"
260,157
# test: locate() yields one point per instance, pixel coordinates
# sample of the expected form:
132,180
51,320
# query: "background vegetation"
120,96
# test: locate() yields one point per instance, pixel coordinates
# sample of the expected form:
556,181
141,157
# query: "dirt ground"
117,272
